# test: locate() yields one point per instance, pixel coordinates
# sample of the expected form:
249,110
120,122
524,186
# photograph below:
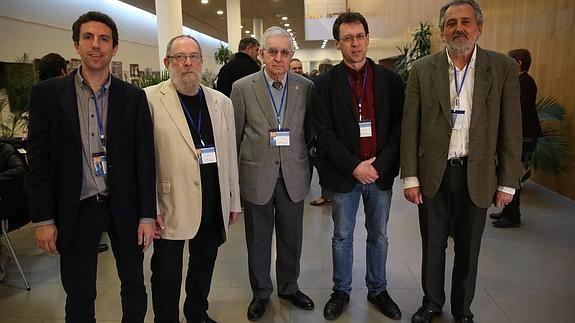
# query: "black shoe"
508,222
496,216
257,308
463,319
423,315
299,299
102,247
334,307
385,304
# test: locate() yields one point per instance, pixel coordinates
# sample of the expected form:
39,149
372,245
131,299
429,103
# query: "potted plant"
419,47
222,55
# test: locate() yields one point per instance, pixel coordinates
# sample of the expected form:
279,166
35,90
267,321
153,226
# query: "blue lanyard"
457,87
360,100
102,135
278,112
197,128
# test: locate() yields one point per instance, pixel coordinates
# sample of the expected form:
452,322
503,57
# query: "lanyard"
458,87
276,110
197,128
360,100
99,118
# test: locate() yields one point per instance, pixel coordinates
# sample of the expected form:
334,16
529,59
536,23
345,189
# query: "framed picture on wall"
117,69
134,70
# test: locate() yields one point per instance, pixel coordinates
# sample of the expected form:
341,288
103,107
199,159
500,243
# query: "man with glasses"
270,111
460,152
91,155
357,113
197,176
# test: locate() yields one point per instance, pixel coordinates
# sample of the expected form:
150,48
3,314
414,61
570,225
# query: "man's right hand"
413,195
46,237
365,173
160,226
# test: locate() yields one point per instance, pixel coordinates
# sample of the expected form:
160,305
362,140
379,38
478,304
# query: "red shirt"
367,145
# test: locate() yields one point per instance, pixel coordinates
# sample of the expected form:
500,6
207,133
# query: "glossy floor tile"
525,274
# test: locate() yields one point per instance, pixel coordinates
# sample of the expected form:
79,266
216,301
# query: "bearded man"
197,176
460,152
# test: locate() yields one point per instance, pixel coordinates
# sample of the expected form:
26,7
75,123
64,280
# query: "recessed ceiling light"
247,31
288,30
242,27
204,1
220,12
284,18
286,25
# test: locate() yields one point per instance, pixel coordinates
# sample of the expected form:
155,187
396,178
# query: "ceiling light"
288,30
247,31
204,2
286,25
219,12
242,27
284,18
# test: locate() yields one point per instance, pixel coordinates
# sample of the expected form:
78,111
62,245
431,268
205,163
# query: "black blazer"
530,119
242,65
54,180
337,129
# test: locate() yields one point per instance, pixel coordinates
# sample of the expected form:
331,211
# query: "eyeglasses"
350,38
182,58
273,52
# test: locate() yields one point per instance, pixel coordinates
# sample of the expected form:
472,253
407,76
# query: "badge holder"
207,155
100,161
457,119
364,128
279,137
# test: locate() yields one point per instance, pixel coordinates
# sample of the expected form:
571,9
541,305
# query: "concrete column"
169,19
234,15
258,28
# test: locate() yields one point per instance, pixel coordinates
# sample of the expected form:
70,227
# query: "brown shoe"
320,201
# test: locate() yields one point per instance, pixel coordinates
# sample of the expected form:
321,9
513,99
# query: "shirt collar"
354,72
270,80
86,86
471,61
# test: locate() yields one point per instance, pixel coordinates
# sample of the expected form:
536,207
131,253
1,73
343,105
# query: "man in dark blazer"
511,215
91,155
245,62
460,152
357,109
270,113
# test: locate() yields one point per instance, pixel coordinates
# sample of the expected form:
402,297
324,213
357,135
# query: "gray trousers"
287,218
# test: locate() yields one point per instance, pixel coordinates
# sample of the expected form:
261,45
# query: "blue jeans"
344,211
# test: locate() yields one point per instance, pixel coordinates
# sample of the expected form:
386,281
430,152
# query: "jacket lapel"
115,107
345,92
293,97
380,98
172,104
441,82
262,95
69,105
483,80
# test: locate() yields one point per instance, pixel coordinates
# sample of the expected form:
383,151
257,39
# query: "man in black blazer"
357,110
91,155
245,62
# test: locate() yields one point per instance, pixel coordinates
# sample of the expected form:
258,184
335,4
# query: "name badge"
207,155
365,128
279,137
100,161
457,119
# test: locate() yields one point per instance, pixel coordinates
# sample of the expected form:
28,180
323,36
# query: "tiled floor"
526,274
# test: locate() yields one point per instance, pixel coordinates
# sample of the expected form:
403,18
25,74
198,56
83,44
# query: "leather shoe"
102,247
423,315
463,319
496,216
257,308
299,299
508,222
334,306
385,304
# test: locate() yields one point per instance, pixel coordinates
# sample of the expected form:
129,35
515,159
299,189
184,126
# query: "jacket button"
277,161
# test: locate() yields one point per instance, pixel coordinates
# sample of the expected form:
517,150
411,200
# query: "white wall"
38,27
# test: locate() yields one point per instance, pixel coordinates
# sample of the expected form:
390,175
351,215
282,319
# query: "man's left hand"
234,216
145,235
501,199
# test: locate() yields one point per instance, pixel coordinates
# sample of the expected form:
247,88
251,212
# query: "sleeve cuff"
147,220
41,223
506,189
409,182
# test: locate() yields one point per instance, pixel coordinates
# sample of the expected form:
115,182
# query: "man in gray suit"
270,112
460,152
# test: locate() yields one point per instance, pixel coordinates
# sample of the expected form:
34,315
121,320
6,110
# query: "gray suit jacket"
259,162
494,134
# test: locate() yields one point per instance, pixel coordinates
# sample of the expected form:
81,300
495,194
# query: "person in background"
511,215
296,66
270,112
357,110
92,169
197,173
460,152
52,65
245,62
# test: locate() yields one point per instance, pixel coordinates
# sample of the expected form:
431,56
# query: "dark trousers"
167,274
78,265
512,210
469,221
287,217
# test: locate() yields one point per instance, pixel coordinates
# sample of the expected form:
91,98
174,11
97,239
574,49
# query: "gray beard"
185,87
460,47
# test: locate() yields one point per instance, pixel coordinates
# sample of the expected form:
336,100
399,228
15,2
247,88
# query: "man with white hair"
270,111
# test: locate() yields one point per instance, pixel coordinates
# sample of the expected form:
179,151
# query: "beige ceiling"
204,18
